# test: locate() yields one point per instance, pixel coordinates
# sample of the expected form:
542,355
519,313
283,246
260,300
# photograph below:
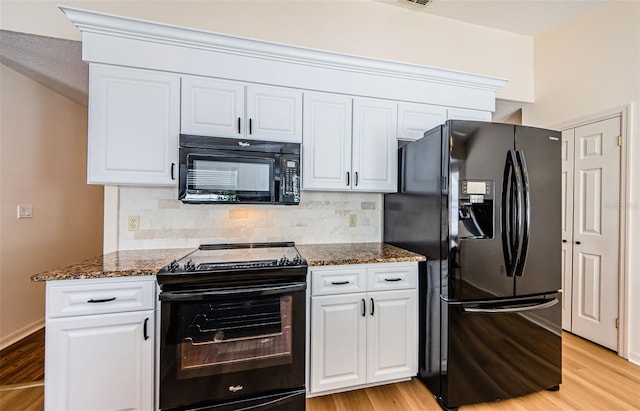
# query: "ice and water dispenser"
476,209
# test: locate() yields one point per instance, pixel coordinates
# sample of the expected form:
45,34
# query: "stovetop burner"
232,260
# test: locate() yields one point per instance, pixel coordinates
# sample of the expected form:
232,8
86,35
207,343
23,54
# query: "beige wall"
43,143
367,28
585,68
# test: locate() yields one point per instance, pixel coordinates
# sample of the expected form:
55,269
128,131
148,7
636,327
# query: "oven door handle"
208,293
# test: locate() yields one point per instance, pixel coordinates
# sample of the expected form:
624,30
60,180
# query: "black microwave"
228,170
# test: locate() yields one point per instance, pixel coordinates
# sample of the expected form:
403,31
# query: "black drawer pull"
372,306
173,166
393,279
101,300
340,282
364,308
238,125
146,331
578,242
564,241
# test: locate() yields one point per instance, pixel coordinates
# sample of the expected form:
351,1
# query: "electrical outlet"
133,222
24,211
353,220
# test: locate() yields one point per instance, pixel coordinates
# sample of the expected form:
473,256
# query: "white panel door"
596,231
101,362
415,119
134,123
274,113
212,107
326,142
391,335
375,148
338,341
567,225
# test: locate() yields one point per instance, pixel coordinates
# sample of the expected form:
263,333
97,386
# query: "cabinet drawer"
392,277
99,298
338,281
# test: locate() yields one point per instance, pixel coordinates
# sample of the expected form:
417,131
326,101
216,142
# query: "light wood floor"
593,378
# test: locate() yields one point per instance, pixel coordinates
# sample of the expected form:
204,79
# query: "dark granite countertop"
128,263
355,253
124,263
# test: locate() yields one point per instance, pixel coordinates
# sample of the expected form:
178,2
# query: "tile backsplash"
321,217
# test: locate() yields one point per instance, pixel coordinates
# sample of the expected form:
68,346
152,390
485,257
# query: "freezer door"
538,156
500,350
477,154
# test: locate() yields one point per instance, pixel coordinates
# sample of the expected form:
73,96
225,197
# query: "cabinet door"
212,107
466,114
100,362
375,148
326,142
415,119
391,335
338,341
274,113
134,123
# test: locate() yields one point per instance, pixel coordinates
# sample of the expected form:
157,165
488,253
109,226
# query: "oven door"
219,344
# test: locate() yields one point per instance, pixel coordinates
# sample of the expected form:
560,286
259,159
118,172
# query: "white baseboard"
634,358
19,334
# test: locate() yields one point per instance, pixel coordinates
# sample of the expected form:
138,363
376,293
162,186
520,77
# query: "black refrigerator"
482,201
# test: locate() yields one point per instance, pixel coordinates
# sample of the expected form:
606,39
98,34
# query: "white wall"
361,27
43,144
590,66
321,217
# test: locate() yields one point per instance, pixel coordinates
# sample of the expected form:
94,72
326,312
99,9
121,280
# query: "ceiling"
526,17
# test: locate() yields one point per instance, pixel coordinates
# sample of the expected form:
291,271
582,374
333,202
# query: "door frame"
624,273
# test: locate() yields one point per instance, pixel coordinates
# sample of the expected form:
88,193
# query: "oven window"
223,176
229,336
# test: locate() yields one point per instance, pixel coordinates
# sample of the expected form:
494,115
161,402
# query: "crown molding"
142,30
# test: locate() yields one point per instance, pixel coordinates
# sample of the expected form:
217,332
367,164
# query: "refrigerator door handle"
509,208
525,228
496,310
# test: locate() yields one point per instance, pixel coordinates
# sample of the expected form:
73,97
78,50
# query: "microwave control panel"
290,180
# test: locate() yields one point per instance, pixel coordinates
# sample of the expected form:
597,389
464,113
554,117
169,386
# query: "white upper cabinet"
466,114
134,125
414,119
221,108
212,107
349,143
375,149
326,148
274,113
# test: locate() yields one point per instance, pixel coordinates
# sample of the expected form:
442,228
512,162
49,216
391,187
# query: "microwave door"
211,178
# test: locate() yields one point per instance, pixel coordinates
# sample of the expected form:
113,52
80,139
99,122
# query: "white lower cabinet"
94,359
364,337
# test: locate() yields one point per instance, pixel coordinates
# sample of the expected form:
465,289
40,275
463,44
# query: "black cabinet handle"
392,279
356,178
250,128
364,308
372,306
101,300
340,282
173,166
238,125
347,178
578,242
146,331
564,241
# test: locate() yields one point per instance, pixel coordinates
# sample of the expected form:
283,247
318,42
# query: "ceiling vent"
420,2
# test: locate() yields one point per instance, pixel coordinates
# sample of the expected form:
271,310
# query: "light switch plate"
24,211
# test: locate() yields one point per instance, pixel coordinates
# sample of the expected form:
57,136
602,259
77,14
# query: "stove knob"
173,266
284,261
189,266
297,260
